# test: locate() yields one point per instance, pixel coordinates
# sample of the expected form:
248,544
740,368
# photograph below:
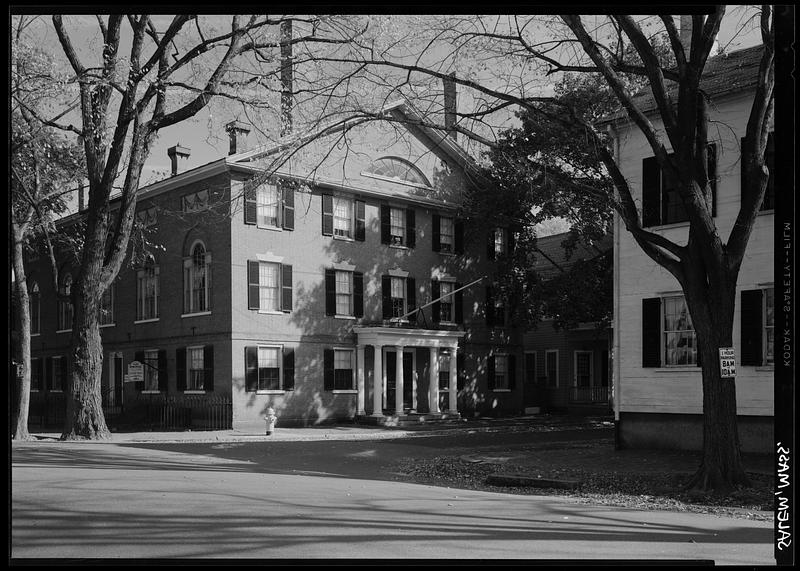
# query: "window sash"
147,286
65,307
680,344
198,282
267,206
398,297
343,217
56,372
551,368
196,369
151,370
446,234
342,370
397,225
269,372
499,241
269,286
344,293
446,303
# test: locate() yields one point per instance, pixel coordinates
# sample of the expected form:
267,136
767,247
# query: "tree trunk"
84,415
721,469
22,348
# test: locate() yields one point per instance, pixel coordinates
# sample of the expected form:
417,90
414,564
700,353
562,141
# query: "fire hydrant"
270,419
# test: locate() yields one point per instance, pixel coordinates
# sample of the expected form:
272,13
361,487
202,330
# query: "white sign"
135,372
727,363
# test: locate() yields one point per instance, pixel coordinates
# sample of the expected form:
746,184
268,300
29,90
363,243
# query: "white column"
453,376
377,382
398,383
433,387
360,380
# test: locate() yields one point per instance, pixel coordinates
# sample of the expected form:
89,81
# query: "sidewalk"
344,431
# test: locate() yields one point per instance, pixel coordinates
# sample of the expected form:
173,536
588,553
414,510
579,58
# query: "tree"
151,73
45,166
707,267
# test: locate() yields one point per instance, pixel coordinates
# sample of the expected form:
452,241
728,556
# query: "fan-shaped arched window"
398,169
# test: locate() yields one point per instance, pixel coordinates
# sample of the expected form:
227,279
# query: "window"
146,217
399,297
342,217
267,206
196,281
107,306
444,370
344,293
34,300
57,373
269,286
338,365
448,308
758,326
446,235
397,226
396,169
147,291
196,368
65,306
446,304
551,367
195,201
500,242
36,374
269,368
500,372
151,366
495,307
661,201
680,345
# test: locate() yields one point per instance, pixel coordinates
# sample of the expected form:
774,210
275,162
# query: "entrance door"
391,380
583,375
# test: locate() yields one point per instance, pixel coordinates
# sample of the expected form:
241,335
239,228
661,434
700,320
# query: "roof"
551,257
723,75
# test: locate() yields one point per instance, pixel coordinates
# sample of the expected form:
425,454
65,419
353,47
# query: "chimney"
175,154
287,77
237,131
450,105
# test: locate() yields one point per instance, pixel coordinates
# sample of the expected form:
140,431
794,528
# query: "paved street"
324,500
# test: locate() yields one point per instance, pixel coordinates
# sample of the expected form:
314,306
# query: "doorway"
391,380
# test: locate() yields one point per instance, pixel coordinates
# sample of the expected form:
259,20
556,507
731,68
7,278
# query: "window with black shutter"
490,372
489,307
208,365
250,204
180,368
386,224
327,215
330,292
288,369
411,299
286,288
328,371
436,307
459,236
411,230
358,294
461,372
459,304
287,199
163,378
361,226
437,233
386,296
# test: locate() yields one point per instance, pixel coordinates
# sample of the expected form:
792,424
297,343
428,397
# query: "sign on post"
135,372
727,363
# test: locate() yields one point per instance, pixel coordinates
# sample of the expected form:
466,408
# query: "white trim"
575,367
194,392
198,314
396,180
338,316
35,334
397,273
107,325
63,330
271,391
345,391
151,320
151,392
344,267
270,312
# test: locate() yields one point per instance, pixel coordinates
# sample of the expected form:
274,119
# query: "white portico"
395,351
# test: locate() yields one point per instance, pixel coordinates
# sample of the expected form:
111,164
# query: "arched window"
397,169
197,278
33,301
65,306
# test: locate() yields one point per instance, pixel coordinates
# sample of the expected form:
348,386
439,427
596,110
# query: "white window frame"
146,277
394,280
279,389
349,206
341,294
262,287
665,334
501,357
447,246
575,367
150,373
262,204
189,278
547,370
353,367
397,220
190,388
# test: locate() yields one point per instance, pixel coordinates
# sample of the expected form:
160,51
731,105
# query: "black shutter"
411,230
490,245
437,306
386,294
512,371
386,224
47,368
458,304
411,298
651,192
458,228
65,371
437,233
752,323
288,207
330,292
329,372
358,294
250,207
38,371
461,374
180,367
288,369
489,307
651,332
251,369
163,378
327,215
490,372
208,368
361,225
139,356
286,277
252,285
